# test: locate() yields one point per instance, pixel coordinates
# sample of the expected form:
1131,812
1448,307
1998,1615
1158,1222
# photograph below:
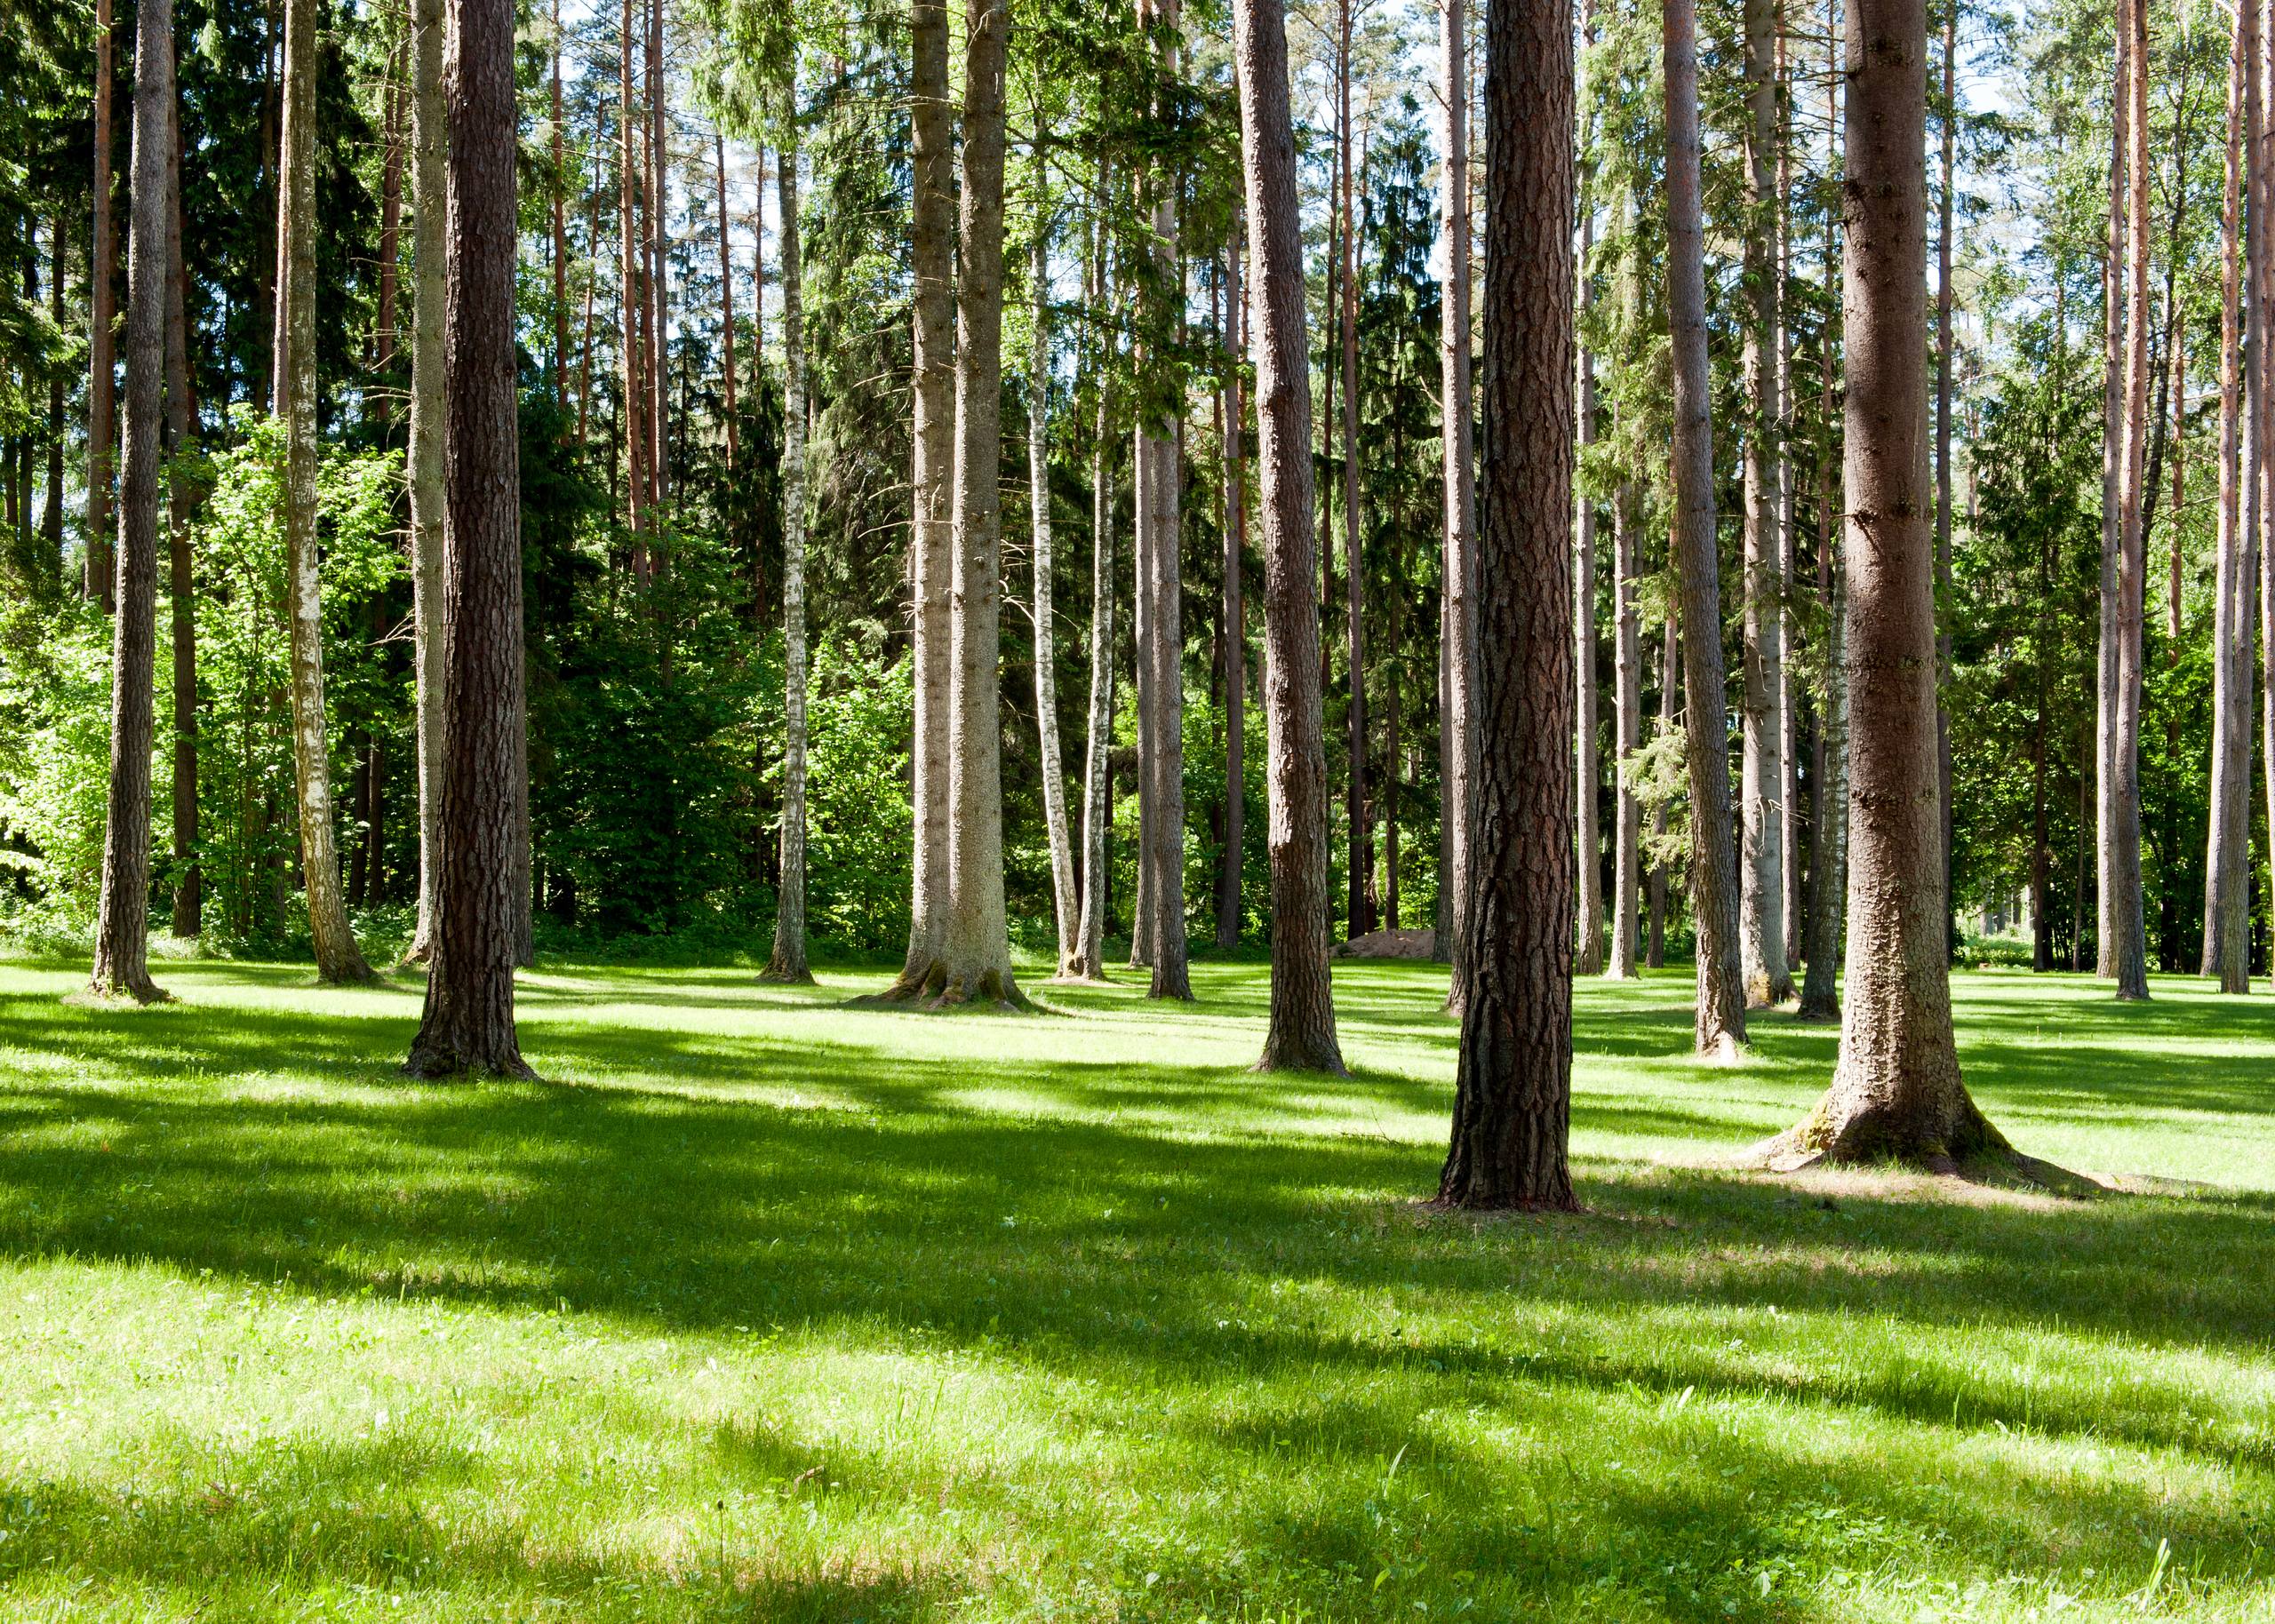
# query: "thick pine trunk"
1301,1036
1589,766
1230,900
184,494
932,265
1513,1082
1457,719
1897,1091
2129,962
122,919
339,958
1721,1022
1066,910
1945,207
429,144
1768,978
467,1026
97,582
2227,869
788,962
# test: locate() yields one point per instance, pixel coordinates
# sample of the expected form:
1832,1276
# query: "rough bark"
184,494
2227,869
1588,762
2129,961
2260,494
788,962
1627,738
975,962
1230,900
1065,905
557,184
1721,1024
1655,940
2112,458
1301,1035
658,316
1360,862
122,919
1457,727
1088,962
1513,1082
339,958
1829,813
1897,1091
931,248
430,143
51,558
1768,977
726,297
1945,202
97,582
467,1025
631,301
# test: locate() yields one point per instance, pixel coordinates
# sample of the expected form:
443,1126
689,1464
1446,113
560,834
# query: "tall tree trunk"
658,317
51,567
1513,1082
1897,1091
122,968
429,144
1655,940
1230,900
1589,765
559,186
2227,869
2260,353
976,954
631,301
1089,960
931,250
339,958
1627,738
592,281
1946,198
1788,703
1301,1035
1768,978
2127,919
384,331
1359,910
102,315
788,962
2113,458
181,489
726,296
1458,763
1713,861
1066,904
481,898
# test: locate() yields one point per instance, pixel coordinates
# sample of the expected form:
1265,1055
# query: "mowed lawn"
763,1308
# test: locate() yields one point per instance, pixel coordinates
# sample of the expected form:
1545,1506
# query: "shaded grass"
783,1310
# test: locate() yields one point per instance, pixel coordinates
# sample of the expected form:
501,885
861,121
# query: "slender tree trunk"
1713,861
481,898
658,317
1946,197
726,296
1654,946
2112,524
2227,869
1829,818
1788,705
430,143
122,919
558,186
1513,1082
102,315
931,248
1589,766
2260,355
1066,904
1768,978
2126,919
975,963
592,282
181,489
788,962
1301,1036
1089,960
1359,868
631,302
339,958
1897,1091
1627,738
1457,762
51,567
1230,900
384,334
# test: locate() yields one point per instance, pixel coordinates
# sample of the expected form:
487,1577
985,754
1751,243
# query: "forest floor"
766,1309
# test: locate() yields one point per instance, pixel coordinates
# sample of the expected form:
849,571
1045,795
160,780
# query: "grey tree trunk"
2129,966
931,263
184,495
1301,1035
1627,738
1721,1024
1769,979
96,580
2227,869
1589,766
339,958
122,966
1655,939
1230,900
1458,760
467,1026
788,962
1066,906
1897,1091
429,142
975,964
1513,1082
2112,458
1088,961
1945,208
1358,866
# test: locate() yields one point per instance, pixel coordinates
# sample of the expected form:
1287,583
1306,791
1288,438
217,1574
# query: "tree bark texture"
2129,964
467,1026
2112,461
1457,724
183,489
1301,1035
1945,208
429,209
1721,1019
1231,900
98,582
121,918
1065,905
1513,1082
788,962
1588,761
1627,738
1088,961
1358,866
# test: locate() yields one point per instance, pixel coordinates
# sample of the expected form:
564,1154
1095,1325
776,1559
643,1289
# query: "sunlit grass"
764,1308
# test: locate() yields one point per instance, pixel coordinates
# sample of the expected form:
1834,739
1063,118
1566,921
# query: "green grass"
767,1308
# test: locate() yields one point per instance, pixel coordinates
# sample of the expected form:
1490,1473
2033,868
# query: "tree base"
939,991
430,1063
1769,992
778,974
136,991
1963,1139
